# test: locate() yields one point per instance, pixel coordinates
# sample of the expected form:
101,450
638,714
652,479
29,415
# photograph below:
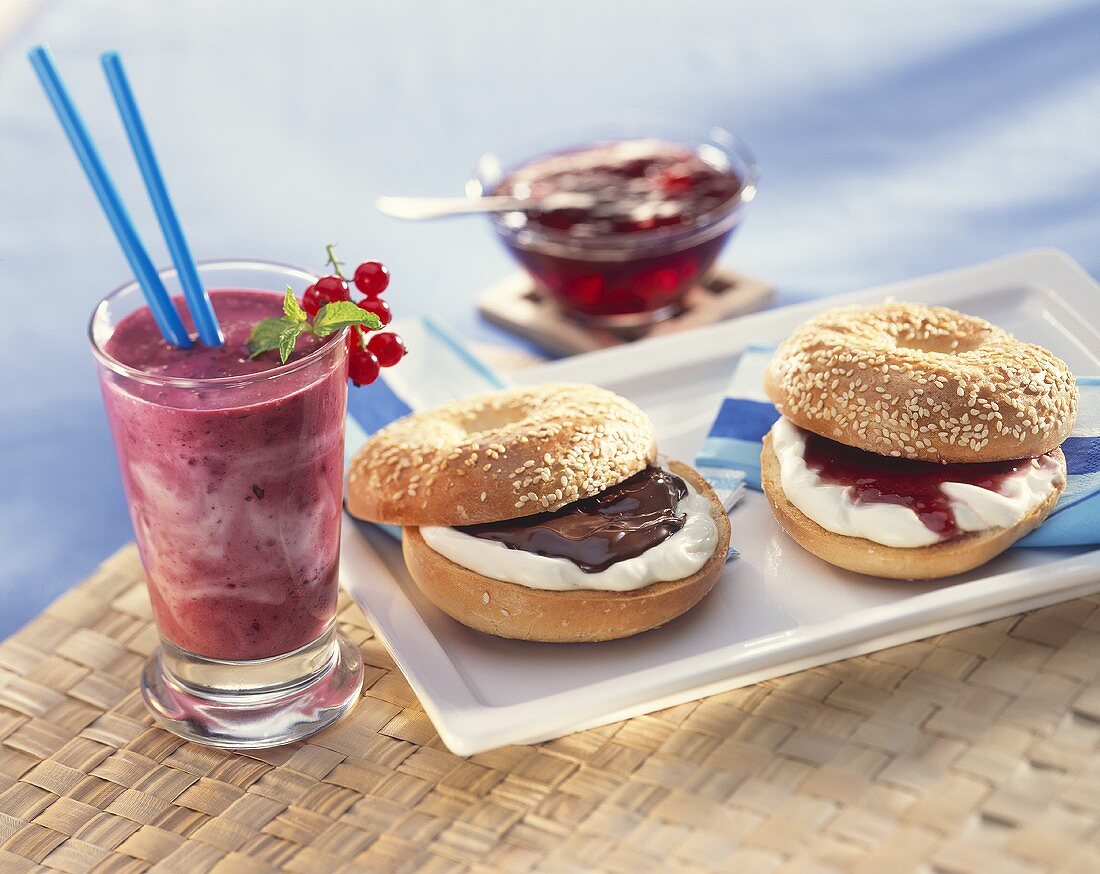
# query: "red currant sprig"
327,289
371,278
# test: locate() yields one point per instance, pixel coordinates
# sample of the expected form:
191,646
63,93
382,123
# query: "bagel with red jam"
914,442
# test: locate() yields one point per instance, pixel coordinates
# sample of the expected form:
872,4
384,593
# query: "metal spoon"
419,208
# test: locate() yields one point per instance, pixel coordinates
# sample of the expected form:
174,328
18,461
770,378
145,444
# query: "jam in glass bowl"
659,204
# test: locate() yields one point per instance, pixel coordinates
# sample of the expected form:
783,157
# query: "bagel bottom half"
577,616
954,556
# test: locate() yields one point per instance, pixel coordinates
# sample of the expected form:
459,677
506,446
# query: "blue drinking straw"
197,299
156,295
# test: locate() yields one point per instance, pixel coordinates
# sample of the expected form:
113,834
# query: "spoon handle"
420,208
416,209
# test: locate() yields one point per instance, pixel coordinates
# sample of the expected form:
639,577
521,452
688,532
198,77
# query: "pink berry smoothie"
234,486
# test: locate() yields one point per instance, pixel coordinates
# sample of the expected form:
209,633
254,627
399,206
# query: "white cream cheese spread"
674,558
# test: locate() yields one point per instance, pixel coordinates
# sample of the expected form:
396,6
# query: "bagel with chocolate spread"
914,442
543,513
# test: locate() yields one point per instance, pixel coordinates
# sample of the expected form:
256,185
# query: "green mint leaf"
265,336
341,314
292,309
288,338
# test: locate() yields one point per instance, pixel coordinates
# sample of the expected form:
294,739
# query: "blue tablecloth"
894,142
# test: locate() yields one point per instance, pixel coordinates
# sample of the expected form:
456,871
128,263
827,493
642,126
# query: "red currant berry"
311,302
387,348
379,307
331,289
363,367
372,278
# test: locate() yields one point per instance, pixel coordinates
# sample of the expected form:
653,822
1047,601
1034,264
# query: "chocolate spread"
595,533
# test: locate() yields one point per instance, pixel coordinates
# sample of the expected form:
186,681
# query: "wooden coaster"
518,305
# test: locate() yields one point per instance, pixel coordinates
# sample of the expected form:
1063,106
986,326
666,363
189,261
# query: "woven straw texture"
974,752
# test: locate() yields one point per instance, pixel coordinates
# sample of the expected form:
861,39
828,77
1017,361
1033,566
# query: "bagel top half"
502,455
922,382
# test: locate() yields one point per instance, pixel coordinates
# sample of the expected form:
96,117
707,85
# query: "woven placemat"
975,751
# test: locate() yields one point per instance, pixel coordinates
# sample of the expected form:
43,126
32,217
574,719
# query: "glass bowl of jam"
656,205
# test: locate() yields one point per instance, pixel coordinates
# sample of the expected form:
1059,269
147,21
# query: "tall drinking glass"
234,480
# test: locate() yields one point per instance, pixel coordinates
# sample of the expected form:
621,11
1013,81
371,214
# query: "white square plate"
775,610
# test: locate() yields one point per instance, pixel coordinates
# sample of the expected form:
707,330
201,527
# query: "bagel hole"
944,344
491,420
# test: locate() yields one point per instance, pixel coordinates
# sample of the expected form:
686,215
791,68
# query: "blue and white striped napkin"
731,452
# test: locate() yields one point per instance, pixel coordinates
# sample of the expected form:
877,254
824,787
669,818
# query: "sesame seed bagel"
922,382
498,456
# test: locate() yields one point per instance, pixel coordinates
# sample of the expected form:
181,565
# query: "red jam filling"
879,479
636,186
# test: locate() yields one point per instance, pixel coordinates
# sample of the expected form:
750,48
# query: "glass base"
251,705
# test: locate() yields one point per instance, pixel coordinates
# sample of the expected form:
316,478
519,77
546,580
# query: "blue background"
896,139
